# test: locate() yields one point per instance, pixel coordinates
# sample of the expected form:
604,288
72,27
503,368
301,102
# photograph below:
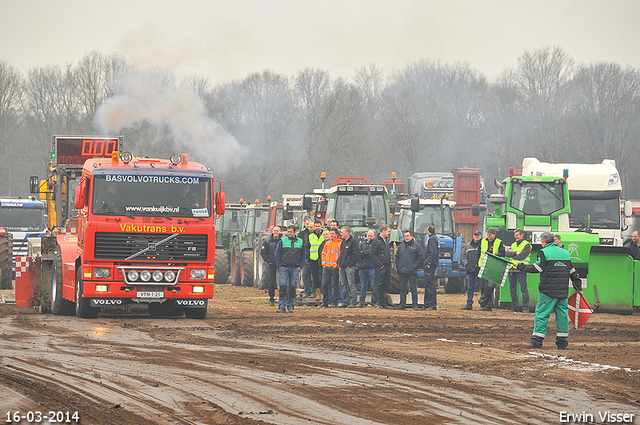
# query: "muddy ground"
246,364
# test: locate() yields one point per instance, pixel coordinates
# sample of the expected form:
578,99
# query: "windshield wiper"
168,238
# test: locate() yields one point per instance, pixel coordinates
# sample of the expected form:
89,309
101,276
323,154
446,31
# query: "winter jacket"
469,256
409,257
494,247
331,253
349,253
304,235
315,241
634,251
268,250
520,253
380,253
555,268
366,255
432,253
290,252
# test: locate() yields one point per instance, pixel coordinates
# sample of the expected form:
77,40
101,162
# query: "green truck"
541,204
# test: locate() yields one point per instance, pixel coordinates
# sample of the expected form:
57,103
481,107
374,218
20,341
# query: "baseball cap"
477,232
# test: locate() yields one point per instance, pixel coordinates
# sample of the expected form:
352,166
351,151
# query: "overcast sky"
229,39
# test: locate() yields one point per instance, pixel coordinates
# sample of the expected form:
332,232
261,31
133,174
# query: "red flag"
579,305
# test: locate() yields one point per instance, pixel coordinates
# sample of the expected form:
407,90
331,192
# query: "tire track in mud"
173,373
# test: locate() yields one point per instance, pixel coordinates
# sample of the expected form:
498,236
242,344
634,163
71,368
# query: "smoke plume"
154,99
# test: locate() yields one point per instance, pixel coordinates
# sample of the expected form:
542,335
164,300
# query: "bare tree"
11,87
544,77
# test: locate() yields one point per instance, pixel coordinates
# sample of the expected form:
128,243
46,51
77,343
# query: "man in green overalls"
555,268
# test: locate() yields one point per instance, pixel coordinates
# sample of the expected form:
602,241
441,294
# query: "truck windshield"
135,195
594,213
351,209
22,219
537,198
427,216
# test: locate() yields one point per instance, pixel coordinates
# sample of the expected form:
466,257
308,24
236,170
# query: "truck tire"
83,308
59,306
6,255
247,268
236,263
164,309
453,285
197,313
221,266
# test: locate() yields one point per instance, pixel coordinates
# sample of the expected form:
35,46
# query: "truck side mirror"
628,209
34,184
307,203
220,202
287,214
80,198
477,209
415,204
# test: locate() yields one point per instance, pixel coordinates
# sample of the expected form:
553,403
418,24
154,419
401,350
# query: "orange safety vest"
331,253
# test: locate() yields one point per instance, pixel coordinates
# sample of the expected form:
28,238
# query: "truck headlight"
198,274
101,273
132,275
198,289
170,276
102,288
157,275
145,275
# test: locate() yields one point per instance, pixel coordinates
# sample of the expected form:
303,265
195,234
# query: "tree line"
269,134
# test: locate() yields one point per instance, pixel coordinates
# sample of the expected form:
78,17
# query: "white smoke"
143,97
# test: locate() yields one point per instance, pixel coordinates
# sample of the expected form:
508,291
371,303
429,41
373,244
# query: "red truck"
144,233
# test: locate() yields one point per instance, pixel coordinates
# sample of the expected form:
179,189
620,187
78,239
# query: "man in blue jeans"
290,258
366,267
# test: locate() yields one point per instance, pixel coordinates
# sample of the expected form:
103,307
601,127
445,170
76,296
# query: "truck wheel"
247,268
236,263
164,309
83,308
453,285
6,255
197,313
221,266
59,306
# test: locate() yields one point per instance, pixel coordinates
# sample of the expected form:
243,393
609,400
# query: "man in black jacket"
349,255
382,260
268,252
431,260
409,258
470,255
306,271
366,266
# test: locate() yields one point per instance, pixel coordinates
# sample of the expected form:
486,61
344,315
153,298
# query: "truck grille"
119,246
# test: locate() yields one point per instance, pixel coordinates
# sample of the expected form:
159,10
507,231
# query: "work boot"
361,303
536,342
466,307
318,295
486,309
561,342
515,308
415,307
525,309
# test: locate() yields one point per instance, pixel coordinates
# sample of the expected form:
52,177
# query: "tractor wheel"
247,268
453,285
236,264
6,255
221,266
83,307
261,274
59,306
394,283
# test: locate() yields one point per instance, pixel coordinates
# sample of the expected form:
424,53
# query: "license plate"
150,294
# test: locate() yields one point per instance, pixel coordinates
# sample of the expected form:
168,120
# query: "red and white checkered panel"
22,264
